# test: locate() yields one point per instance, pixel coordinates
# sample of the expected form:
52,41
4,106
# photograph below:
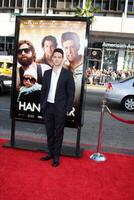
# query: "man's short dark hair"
59,51
49,38
70,36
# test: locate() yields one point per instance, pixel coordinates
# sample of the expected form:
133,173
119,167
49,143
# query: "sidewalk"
116,136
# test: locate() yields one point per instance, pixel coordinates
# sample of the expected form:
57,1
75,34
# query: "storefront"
112,56
6,45
117,56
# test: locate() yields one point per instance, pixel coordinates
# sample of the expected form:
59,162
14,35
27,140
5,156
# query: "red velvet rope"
121,119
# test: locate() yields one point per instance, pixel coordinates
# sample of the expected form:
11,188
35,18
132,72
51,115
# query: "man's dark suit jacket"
65,90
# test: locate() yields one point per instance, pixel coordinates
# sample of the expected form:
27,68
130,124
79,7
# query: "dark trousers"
55,129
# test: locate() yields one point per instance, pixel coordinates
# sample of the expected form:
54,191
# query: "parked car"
121,92
5,83
6,65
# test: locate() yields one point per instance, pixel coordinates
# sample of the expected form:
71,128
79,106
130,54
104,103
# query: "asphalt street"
116,136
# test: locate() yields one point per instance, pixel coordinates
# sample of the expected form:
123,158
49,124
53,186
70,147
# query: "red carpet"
24,177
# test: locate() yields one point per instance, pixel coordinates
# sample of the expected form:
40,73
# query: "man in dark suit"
57,97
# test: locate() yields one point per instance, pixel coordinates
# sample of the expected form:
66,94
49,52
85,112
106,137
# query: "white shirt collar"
57,71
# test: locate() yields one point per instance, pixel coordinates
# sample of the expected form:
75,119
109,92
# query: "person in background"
49,43
57,97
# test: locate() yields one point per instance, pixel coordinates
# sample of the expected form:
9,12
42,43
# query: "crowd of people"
101,77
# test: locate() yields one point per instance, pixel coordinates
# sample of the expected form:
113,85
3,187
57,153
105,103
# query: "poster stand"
27,106
74,151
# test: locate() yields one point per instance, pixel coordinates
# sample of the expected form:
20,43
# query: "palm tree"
87,11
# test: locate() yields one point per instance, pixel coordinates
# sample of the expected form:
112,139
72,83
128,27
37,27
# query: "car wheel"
128,103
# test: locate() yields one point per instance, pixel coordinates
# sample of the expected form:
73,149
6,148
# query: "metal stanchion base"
98,157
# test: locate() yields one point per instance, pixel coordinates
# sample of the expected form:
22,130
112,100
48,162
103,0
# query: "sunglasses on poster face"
32,80
26,50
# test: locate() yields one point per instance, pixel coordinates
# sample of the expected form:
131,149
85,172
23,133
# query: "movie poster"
38,37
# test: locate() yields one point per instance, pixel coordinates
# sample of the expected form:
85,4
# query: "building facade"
112,32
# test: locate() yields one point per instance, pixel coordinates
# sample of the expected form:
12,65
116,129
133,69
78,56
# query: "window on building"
39,3
0,3
105,5
121,5
53,3
130,5
60,4
12,3
95,56
129,59
6,45
1,48
3,45
10,45
6,3
76,3
110,59
97,3
109,5
32,4
68,4
19,3
113,5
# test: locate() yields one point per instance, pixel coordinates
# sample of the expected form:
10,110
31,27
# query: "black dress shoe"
55,162
48,157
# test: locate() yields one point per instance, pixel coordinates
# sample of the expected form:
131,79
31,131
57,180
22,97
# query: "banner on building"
35,39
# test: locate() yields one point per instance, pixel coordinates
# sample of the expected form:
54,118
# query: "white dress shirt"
53,85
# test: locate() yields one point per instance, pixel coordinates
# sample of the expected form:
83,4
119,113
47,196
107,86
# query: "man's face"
25,56
71,50
48,48
57,59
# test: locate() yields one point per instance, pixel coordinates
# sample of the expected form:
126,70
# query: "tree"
87,11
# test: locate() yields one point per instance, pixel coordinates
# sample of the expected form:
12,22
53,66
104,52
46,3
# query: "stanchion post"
98,156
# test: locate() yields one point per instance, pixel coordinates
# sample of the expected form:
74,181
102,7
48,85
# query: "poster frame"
80,120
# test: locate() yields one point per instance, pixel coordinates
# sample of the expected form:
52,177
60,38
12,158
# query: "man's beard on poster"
25,62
